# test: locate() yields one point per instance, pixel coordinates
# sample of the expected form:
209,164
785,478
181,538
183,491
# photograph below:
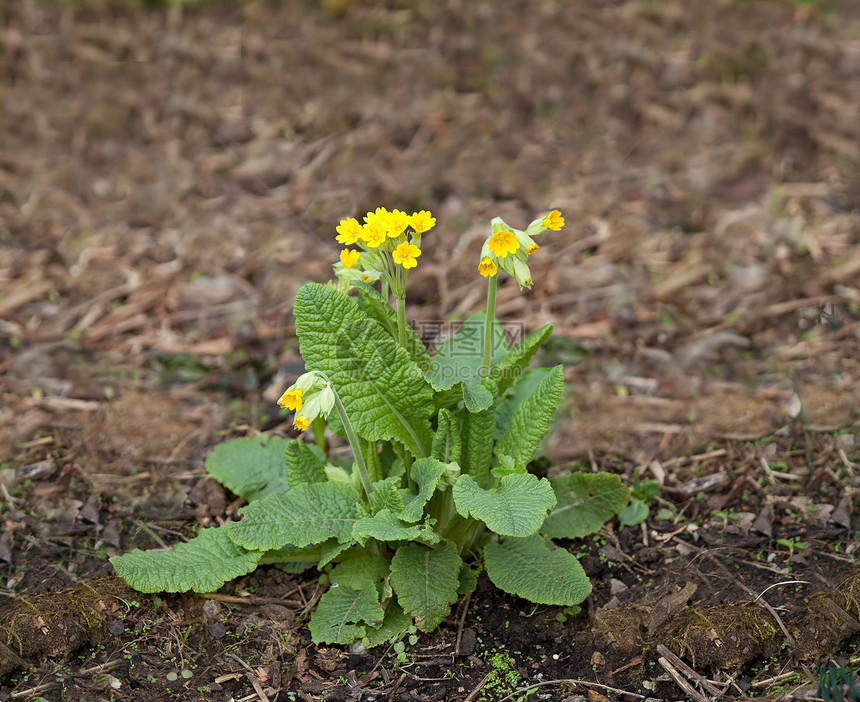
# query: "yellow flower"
487,268
348,231
503,242
532,249
373,233
349,257
291,400
553,221
422,221
301,423
365,277
397,222
405,255
378,216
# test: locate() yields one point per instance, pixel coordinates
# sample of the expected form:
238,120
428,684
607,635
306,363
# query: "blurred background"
171,173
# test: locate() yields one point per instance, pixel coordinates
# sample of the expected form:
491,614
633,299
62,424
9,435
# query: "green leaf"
396,622
532,419
425,581
372,461
251,468
530,569
517,508
330,550
385,526
360,571
341,614
425,473
459,360
386,495
446,441
305,463
292,559
478,435
586,501
307,514
507,466
634,513
515,395
510,368
468,578
372,303
203,564
382,389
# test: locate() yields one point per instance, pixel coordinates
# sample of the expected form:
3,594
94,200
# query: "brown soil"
169,175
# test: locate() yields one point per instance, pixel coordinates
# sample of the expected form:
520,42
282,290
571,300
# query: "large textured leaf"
203,564
586,501
511,367
343,614
385,526
530,569
532,419
305,463
425,581
515,395
395,623
382,389
459,360
371,302
307,514
425,473
517,508
251,468
478,437
360,571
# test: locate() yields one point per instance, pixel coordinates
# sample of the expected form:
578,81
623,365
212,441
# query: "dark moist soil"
169,175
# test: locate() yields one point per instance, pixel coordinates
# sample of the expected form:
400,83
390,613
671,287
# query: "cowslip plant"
437,484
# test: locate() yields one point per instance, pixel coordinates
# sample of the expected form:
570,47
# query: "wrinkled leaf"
586,501
343,614
530,569
251,468
307,514
426,581
202,564
517,507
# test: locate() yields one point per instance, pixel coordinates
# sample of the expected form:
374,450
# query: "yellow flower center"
405,255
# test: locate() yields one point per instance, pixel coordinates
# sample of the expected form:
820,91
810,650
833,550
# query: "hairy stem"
401,321
355,444
488,324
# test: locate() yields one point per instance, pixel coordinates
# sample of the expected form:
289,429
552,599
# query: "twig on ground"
690,673
473,695
680,682
564,681
396,687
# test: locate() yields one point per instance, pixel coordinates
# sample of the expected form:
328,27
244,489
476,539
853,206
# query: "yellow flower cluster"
389,244
311,396
508,249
